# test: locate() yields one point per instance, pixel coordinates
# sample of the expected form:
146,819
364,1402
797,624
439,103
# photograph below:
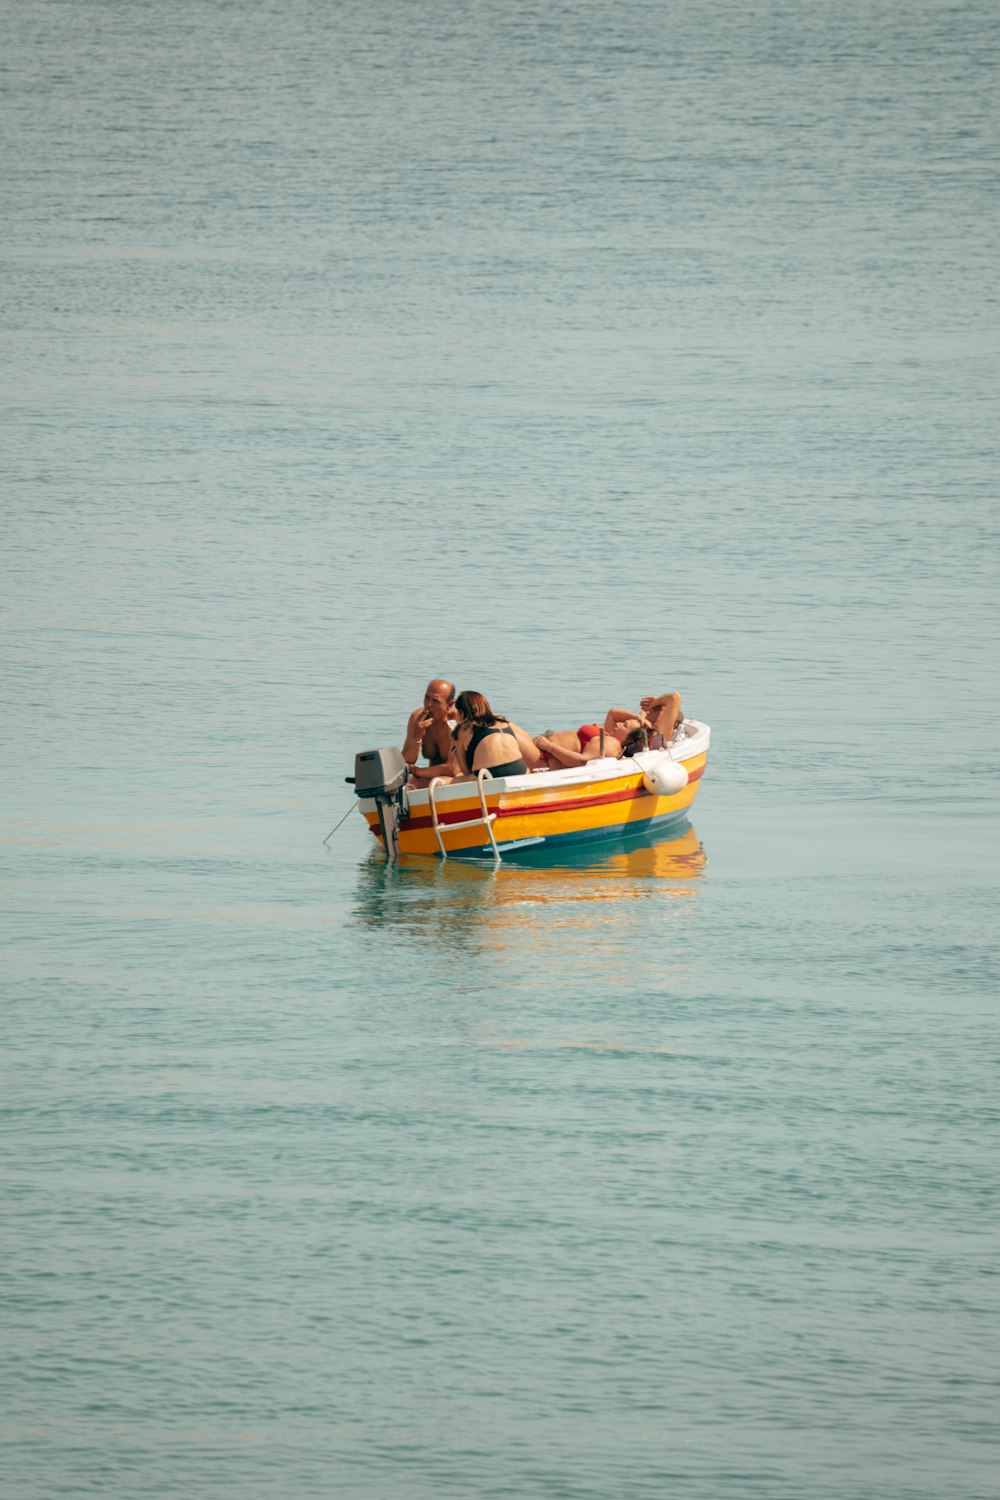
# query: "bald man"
428,732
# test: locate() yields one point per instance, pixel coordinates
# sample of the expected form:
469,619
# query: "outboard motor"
381,775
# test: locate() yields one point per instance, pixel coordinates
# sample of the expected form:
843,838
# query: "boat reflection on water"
459,899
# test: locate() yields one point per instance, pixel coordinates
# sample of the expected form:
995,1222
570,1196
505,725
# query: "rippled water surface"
574,351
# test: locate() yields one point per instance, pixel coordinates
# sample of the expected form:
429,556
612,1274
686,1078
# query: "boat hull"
549,811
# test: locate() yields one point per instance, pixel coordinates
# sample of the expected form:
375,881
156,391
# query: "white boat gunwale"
695,742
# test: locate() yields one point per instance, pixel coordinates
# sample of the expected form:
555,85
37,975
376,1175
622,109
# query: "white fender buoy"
665,777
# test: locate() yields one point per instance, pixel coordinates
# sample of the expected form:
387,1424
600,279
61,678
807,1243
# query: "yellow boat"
539,812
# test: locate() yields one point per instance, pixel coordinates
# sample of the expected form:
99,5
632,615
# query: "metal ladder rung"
488,818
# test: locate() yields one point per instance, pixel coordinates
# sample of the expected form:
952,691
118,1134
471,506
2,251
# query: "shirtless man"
428,732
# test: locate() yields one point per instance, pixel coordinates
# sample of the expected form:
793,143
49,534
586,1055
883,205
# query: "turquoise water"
573,351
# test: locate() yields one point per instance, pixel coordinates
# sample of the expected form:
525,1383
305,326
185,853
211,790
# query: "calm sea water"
573,351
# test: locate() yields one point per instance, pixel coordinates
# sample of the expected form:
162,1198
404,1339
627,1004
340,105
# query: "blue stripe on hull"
574,842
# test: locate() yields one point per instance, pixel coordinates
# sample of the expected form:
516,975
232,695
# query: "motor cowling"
379,772
381,775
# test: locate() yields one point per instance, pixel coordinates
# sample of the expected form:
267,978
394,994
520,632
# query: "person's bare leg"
530,753
562,739
421,776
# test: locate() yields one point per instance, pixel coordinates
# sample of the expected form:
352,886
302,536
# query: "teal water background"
574,351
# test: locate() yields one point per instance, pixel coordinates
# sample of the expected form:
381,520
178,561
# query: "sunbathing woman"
567,747
484,741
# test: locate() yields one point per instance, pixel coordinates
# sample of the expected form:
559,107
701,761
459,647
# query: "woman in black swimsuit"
484,741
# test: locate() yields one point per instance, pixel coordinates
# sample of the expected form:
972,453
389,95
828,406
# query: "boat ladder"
488,818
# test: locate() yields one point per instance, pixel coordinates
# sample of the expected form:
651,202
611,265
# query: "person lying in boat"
575,747
624,733
486,741
428,733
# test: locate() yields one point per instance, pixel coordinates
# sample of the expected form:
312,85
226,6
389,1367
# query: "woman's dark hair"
635,741
474,707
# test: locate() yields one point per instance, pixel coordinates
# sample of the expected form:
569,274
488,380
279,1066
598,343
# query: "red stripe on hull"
533,809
